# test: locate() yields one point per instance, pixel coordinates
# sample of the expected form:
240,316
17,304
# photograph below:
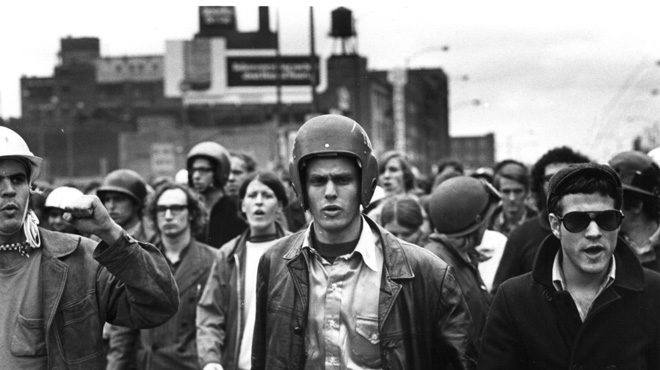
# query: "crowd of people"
344,261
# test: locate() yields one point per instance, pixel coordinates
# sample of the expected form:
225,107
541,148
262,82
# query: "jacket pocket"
80,337
366,342
29,338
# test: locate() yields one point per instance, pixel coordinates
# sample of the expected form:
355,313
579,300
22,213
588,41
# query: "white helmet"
655,155
13,145
62,196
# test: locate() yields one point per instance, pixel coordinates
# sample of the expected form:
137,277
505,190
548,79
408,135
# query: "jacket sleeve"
122,348
135,288
500,348
211,318
454,326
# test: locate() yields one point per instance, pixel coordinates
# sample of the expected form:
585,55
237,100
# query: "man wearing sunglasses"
588,303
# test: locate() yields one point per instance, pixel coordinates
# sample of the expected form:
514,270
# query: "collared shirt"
342,324
559,282
646,251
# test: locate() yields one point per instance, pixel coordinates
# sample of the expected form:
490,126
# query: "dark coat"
85,284
533,326
423,319
220,312
172,345
473,288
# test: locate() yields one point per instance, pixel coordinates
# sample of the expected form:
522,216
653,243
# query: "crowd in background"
215,219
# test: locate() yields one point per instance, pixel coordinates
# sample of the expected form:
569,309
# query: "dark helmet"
124,181
334,134
215,153
461,205
638,173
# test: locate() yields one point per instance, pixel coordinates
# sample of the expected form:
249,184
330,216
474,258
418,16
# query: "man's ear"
555,225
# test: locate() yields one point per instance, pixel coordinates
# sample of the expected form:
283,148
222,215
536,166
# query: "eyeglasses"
174,208
577,221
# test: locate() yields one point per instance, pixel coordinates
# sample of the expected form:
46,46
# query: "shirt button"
298,330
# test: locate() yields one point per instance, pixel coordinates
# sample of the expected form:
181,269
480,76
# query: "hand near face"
88,215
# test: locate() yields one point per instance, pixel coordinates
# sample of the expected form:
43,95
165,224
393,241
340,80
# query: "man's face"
586,253
172,215
333,195
237,175
391,179
122,209
57,223
14,197
513,196
202,175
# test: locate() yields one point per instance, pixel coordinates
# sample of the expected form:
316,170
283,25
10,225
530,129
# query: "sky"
537,75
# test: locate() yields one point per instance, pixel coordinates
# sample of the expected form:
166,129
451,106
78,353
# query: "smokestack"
264,19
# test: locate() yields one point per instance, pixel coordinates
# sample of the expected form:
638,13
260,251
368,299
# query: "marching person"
178,214
588,303
226,311
54,208
58,289
345,293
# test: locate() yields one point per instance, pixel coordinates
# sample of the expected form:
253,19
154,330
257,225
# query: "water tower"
343,30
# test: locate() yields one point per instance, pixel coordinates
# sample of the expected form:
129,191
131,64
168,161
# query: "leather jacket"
424,322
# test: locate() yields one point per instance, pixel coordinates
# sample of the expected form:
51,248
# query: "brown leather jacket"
423,319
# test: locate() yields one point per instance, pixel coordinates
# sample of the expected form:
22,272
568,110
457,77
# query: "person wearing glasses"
588,303
524,240
460,209
226,311
179,215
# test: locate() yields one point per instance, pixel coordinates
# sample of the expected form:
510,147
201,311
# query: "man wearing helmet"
345,293
54,207
641,205
460,209
208,167
55,302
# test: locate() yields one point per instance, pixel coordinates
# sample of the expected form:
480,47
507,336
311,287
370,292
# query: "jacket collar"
58,245
238,250
394,258
629,271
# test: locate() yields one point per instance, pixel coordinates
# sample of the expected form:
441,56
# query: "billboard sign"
262,71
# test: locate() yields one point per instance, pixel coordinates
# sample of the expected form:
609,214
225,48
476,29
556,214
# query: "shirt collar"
366,245
559,282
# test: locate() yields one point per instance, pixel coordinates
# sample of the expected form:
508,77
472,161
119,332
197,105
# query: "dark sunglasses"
174,208
577,221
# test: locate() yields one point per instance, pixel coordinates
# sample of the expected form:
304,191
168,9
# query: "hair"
196,208
250,162
585,184
512,170
269,179
562,154
406,167
403,209
650,204
454,163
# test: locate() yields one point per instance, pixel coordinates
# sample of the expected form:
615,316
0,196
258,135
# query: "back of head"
461,205
584,178
219,157
403,209
124,181
331,135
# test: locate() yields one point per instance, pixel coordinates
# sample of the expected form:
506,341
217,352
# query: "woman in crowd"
226,310
402,216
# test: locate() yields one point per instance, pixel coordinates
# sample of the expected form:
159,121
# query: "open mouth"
259,212
594,250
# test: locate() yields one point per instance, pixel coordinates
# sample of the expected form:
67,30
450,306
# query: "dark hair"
196,208
585,184
403,209
562,154
269,179
454,163
250,162
512,170
406,167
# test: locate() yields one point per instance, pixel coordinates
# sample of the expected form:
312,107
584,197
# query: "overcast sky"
584,75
